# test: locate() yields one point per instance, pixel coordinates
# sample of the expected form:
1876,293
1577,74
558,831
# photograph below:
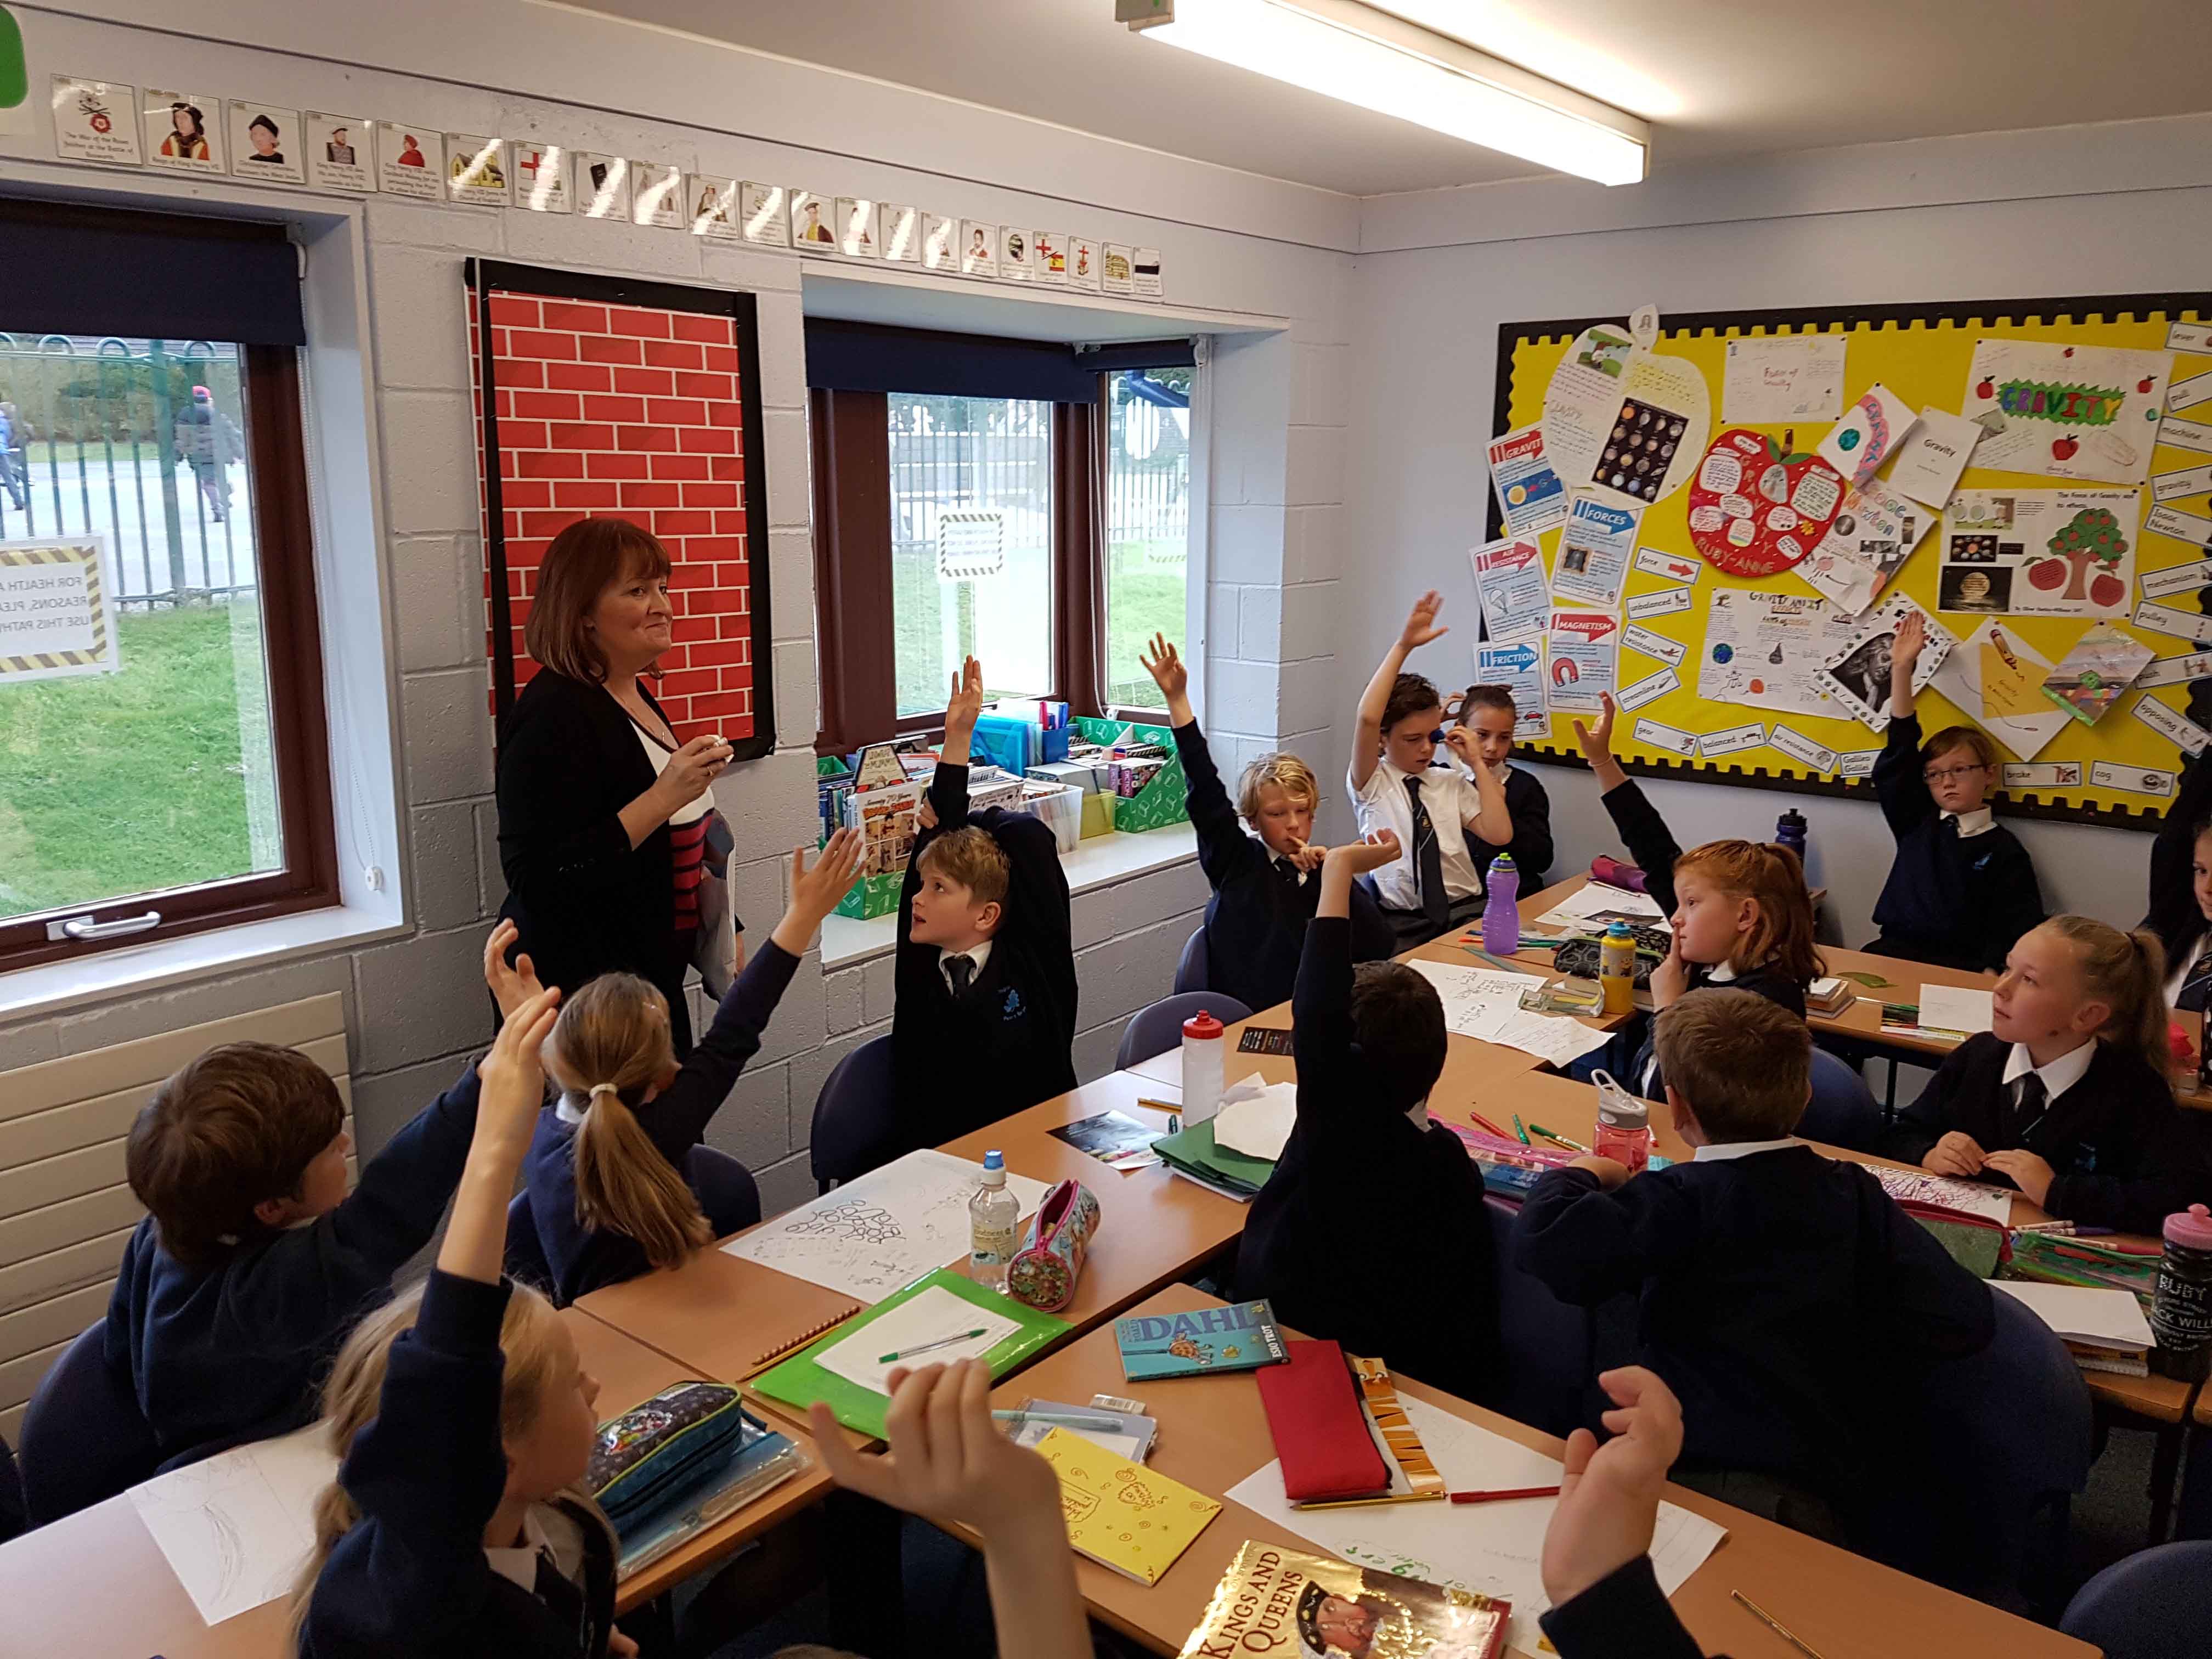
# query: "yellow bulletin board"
1923,353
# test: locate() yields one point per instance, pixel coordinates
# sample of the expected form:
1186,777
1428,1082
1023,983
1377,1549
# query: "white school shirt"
1449,797
1729,1149
1979,821
544,1528
2060,1075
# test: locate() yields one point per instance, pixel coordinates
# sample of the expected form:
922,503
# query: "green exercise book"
799,1381
1194,1151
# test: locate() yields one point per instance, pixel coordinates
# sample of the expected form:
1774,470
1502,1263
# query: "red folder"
1328,1453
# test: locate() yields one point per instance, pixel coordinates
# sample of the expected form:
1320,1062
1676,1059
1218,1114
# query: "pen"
924,1347
1492,1127
1572,1145
1774,1625
1518,1130
1506,1493
1061,1419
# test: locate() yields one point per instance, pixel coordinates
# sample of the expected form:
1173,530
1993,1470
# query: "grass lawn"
112,784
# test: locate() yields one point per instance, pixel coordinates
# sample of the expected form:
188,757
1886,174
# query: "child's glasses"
1944,775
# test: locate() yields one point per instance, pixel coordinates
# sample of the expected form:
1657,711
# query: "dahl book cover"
1238,1338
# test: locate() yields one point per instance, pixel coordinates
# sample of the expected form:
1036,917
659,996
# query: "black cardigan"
1530,809
585,901
2174,915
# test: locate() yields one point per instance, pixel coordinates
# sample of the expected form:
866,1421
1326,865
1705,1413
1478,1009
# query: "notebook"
1133,1521
1322,1437
1238,1338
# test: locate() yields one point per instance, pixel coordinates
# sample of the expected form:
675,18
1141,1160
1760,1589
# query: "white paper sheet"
1762,648
236,1527
1595,898
1955,1008
1787,377
869,1236
1256,1117
2110,1319
1932,456
1918,1187
1484,1003
934,1314
1492,1549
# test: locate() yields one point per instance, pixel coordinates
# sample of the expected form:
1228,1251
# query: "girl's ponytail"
2128,972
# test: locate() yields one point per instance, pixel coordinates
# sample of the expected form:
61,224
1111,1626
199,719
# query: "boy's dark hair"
1409,695
239,1125
1960,737
1486,696
1398,1021
1742,1064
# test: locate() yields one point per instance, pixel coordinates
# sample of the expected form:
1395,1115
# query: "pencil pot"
1050,1260
2181,1307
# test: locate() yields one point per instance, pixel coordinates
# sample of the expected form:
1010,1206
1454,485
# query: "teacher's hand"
691,769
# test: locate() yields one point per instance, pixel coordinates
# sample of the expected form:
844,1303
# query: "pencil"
1775,1625
1518,1130
1500,1495
1571,1146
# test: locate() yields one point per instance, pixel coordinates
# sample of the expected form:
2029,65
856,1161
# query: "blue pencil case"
658,1449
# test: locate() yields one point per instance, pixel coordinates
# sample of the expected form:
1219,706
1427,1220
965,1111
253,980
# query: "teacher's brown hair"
585,559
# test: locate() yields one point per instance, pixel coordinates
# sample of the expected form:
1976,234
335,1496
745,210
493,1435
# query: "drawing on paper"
867,1224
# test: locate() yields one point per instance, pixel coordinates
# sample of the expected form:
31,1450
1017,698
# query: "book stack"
2112,1264
1830,996
1193,1154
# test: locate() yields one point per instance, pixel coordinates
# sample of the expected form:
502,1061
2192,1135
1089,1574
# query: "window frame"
1155,713
299,730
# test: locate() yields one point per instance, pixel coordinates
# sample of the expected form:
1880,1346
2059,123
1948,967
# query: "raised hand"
963,705
510,987
1609,1494
1596,741
947,1460
1421,622
1163,663
514,1078
814,892
1912,640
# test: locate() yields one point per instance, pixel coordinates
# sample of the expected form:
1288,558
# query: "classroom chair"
726,1189
852,1131
83,1438
523,1260
1158,1028
1191,968
1842,1111
1547,1342
2153,1605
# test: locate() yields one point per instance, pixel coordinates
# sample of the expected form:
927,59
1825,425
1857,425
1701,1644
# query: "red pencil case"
1320,1434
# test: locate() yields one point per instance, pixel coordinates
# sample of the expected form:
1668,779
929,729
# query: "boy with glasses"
1963,888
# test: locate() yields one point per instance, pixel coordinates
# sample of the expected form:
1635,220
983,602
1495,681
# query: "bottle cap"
994,1168
1503,865
1618,930
1203,1026
2192,1228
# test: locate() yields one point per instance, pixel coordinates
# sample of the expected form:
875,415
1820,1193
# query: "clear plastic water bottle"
1204,1066
1501,910
992,1215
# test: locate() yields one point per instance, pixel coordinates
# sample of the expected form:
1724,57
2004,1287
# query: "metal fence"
110,435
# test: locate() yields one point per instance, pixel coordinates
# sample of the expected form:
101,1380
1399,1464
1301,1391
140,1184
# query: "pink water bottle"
1624,1125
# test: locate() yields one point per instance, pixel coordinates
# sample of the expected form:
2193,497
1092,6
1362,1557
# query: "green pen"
924,1347
1571,1146
1518,1130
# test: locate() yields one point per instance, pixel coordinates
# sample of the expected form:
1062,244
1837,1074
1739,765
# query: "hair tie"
598,1088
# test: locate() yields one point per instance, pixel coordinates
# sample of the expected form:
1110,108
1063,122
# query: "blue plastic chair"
1191,969
1158,1028
854,1130
1842,1111
83,1438
2156,1604
1547,1341
726,1189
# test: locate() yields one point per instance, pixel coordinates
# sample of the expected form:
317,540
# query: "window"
961,507
162,765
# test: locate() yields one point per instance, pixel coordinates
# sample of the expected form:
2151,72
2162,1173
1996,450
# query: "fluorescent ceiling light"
1361,55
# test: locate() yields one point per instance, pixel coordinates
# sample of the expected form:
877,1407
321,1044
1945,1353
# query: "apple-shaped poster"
1622,423
1758,506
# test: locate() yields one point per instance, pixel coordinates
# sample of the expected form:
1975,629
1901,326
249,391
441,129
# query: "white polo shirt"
1449,797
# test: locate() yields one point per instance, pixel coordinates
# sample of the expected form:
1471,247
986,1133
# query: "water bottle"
1501,913
992,1214
1624,1125
1616,969
1204,1068
1789,832
2181,1307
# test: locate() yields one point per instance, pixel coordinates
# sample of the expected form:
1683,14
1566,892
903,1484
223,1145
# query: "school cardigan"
1255,923
2124,1153
1530,809
962,1062
1371,1232
1784,1299
221,1355
1624,1615
584,1258
409,1580
1956,901
585,902
2174,915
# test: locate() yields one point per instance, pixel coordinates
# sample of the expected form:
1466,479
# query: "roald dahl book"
1238,1338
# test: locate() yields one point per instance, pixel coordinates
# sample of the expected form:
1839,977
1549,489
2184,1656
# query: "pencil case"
1321,1435
653,1450
1044,1270
1977,1243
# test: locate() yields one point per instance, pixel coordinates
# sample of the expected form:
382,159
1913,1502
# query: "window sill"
70,986
1099,862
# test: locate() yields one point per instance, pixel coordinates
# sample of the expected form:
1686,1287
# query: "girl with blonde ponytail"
463,1422
605,1184
2068,1096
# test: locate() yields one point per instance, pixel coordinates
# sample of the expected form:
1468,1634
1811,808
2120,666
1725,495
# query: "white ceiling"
1717,78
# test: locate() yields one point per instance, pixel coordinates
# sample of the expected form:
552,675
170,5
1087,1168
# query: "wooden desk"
1213,1433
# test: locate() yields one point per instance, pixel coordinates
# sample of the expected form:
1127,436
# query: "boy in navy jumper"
1371,1232
1784,1298
253,1260
1264,889
1963,888
985,1018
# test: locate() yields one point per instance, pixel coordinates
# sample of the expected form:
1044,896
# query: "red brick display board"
640,401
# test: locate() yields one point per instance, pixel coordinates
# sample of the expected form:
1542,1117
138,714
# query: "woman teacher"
602,814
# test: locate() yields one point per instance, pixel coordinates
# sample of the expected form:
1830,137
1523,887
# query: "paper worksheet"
928,1318
1918,1187
1492,1549
1956,1008
1256,1117
2083,1313
1484,1003
871,1236
236,1527
1591,906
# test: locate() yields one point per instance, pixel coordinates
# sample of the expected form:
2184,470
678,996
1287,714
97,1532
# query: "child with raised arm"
1399,785
1962,889
1372,1223
1491,718
1265,884
606,1174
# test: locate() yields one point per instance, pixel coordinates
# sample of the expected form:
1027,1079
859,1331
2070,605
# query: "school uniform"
1255,923
1371,1230
218,1356
1434,885
413,1579
1001,1041
2174,915
1782,1297
1962,889
1531,845
2103,1119
584,1258
1624,1615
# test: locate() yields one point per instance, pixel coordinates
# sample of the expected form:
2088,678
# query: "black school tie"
962,970
2034,1100
2195,989
1428,863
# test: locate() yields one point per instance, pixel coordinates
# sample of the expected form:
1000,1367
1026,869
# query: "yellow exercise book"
1121,1514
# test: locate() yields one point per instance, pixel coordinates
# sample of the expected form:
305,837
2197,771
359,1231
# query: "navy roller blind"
873,357
66,269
